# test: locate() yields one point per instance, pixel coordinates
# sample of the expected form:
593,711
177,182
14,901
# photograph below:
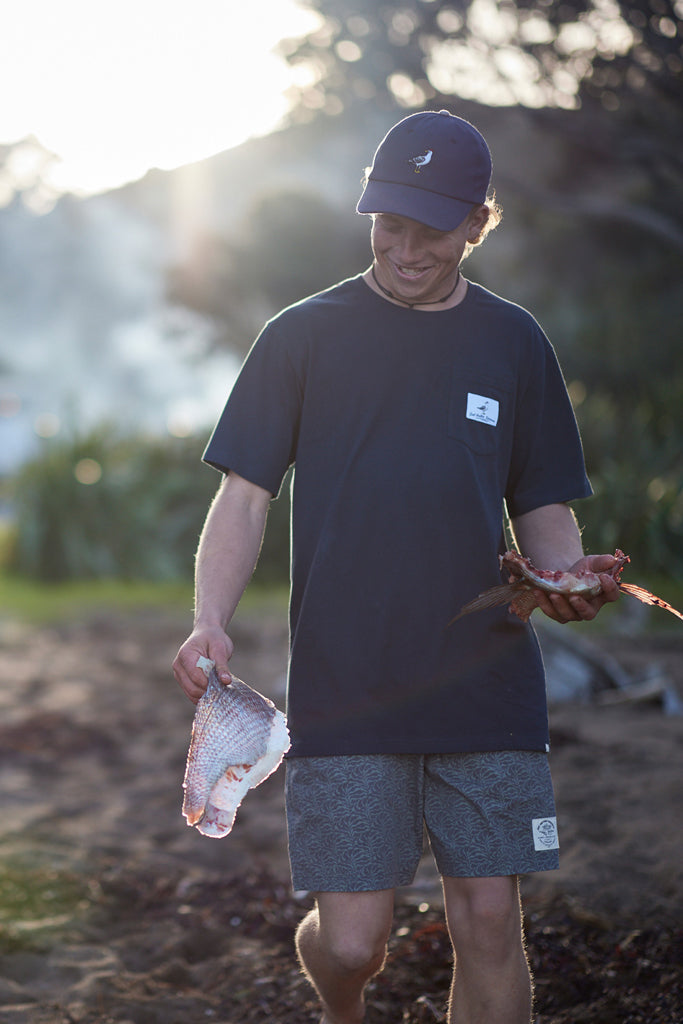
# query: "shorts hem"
504,872
298,886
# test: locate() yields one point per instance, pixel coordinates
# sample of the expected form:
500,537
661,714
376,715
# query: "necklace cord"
411,305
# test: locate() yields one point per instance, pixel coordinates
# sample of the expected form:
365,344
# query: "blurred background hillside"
125,312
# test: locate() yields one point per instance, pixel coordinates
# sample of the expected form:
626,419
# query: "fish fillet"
238,739
525,578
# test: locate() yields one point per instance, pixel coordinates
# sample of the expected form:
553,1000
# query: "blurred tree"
293,244
621,62
527,52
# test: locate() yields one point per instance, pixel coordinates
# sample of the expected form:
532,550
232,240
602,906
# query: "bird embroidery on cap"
421,161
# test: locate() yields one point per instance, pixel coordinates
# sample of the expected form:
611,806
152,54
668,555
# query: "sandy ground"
111,909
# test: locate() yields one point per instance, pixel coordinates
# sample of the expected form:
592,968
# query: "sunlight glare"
114,89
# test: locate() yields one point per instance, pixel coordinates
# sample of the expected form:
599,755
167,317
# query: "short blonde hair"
495,216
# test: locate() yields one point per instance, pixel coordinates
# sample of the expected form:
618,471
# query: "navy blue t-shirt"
409,431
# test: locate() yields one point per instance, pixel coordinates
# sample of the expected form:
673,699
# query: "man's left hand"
573,608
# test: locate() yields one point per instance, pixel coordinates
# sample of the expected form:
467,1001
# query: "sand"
113,910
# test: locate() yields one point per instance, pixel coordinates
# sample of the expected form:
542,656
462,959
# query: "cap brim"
430,208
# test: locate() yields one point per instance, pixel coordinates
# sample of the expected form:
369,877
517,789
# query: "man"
414,405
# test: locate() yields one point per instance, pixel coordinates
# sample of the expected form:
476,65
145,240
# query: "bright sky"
114,87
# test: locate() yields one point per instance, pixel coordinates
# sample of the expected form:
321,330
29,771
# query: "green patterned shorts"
356,823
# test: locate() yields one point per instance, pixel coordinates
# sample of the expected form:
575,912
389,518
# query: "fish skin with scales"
238,739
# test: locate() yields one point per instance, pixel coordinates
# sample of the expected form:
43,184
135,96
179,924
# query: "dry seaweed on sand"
222,950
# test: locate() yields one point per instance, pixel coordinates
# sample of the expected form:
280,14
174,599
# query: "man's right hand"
210,643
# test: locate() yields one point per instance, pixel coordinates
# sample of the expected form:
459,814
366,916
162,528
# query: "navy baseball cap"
432,167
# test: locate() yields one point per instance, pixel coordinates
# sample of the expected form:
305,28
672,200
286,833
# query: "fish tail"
647,598
492,598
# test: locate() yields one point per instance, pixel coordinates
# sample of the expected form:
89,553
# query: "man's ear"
478,220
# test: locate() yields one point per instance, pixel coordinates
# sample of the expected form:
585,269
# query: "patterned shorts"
356,823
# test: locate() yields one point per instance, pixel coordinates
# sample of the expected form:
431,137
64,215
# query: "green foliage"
617,330
128,507
102,505
637,479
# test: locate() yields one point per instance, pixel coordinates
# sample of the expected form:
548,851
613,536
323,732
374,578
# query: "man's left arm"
549,536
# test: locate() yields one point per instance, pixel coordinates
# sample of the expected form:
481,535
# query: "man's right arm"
228,551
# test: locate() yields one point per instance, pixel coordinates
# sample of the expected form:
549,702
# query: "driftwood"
576,668
658,688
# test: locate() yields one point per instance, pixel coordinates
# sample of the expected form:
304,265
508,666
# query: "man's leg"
341,944
491,978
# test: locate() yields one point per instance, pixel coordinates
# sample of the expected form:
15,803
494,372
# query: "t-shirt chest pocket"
478,411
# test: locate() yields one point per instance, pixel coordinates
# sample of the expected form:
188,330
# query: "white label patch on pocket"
482,409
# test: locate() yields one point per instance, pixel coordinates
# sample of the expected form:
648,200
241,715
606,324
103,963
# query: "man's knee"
353,954
483,913
354,929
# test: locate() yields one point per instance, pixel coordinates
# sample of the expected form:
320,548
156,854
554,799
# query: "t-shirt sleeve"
547,464
256,434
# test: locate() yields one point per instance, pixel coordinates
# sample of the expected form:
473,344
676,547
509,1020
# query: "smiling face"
419,264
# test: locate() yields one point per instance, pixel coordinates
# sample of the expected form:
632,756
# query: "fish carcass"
238,739
524,578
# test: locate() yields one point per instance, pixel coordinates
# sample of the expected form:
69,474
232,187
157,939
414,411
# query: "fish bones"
525,578
238,739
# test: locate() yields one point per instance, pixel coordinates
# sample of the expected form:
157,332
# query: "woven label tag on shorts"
545,834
